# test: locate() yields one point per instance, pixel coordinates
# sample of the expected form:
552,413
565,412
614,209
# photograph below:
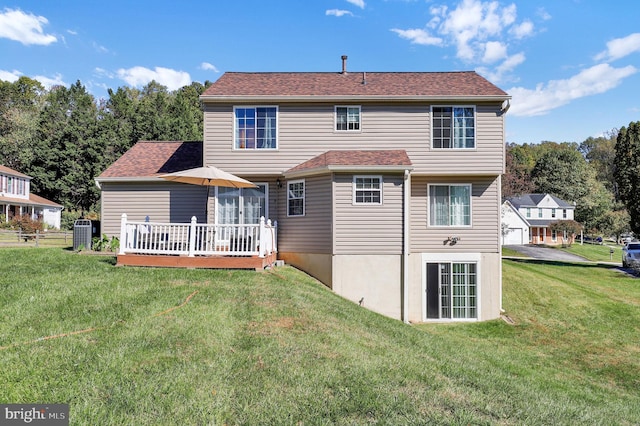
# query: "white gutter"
405,248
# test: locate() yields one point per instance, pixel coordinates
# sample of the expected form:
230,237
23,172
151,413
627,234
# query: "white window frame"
564,213
554,235
235,143
540,214
452,258
451,129
290,198
355,190
431,220
335,118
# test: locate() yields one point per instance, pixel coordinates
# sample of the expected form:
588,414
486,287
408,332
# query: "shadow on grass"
562,263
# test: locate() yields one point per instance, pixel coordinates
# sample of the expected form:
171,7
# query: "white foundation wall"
374,279
489,290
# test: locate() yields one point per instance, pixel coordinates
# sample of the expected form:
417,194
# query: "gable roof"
149,159
367,85
533,200
354,160
8,171
31,201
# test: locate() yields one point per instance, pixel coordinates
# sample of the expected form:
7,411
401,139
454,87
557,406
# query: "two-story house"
16,199
385,185
527,219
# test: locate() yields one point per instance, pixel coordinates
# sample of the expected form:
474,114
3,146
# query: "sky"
571,66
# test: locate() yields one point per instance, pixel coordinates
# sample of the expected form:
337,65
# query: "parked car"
631,254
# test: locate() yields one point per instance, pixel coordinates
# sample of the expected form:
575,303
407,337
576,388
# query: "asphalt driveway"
544,253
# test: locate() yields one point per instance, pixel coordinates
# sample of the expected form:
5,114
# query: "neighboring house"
527,219
17,200
385,186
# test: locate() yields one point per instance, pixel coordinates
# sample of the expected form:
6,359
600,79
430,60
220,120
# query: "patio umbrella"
208,176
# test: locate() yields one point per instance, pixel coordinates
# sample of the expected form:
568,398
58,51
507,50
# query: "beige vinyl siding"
484,233
310,233
368,229
162,201
307,130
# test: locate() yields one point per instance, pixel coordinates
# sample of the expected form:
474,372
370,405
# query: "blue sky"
570,65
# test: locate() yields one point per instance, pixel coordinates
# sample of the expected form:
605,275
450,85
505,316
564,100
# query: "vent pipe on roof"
364,77
344,64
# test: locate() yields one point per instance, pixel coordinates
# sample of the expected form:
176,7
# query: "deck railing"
198,239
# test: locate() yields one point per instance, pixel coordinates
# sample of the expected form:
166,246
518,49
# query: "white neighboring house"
17,200
527,219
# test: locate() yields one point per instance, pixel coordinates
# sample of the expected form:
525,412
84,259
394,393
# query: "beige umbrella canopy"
208,176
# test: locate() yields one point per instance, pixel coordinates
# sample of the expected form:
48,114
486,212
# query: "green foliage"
570,227
104,243
627,171
68,218
63,138
27,225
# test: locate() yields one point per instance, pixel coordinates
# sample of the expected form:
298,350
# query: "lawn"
164,346
596,252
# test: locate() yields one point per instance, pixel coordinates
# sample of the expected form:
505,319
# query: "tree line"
601,176
63,137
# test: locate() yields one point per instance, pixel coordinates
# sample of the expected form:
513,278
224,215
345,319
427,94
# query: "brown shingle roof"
8,171
33,200
356,159
148,159
378,84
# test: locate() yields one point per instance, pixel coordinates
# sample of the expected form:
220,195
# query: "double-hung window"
348,118
453,127
295,198
256,127
367,190
450,205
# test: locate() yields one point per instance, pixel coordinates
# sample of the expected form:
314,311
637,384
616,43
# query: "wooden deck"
205,262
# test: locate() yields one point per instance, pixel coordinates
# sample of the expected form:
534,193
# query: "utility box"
82,234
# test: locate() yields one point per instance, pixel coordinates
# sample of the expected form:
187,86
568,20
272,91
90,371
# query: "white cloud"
99,48
494,51
49,82
139,76
481,32
338,12
359,3
10,76
497,75
418,36
522,30
208,67
620,47
597,79
25,28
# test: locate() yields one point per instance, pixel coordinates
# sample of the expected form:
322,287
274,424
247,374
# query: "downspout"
405,248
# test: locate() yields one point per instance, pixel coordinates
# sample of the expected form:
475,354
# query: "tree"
600,153
627,171
570,228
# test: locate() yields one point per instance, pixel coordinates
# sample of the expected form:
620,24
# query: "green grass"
595,252
507,252
166,346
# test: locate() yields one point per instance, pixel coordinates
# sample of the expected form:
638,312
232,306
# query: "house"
16,199
527,219
385,185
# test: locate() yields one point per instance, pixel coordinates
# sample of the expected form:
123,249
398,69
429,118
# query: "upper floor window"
450,205
539,213
553,213
453,127
295,198
347,118
367,190
256,127
564,213
528,211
